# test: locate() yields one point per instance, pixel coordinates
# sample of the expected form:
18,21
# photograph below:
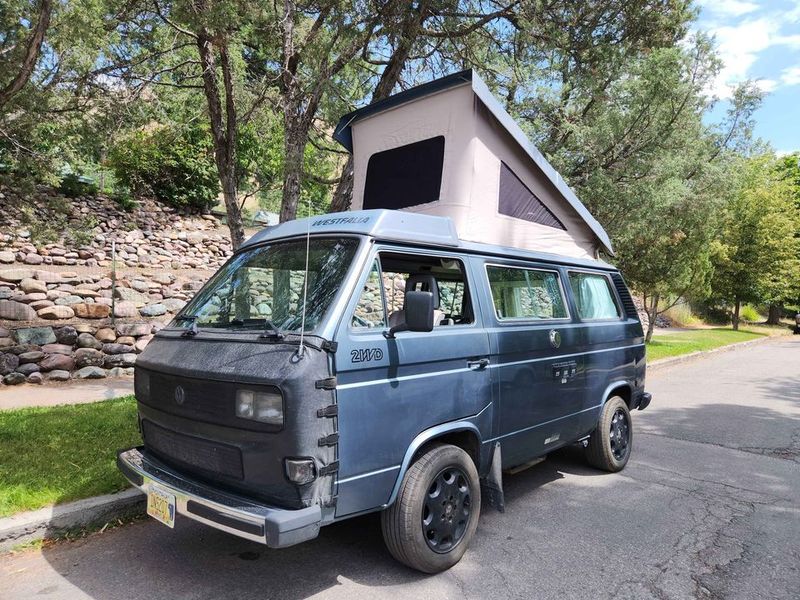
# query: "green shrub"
713,313
124,198
682,316
73,186
174,166
750,314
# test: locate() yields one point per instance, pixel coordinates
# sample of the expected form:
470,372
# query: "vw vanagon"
373,361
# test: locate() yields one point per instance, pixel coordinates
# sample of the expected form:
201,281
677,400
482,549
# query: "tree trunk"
294,150
32,51
652,313
411,27
223,134
736,309
343,195
775,312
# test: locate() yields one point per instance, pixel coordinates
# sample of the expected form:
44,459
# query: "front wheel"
611,443
431,523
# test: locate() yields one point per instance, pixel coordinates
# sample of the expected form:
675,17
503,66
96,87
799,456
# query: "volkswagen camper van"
373,361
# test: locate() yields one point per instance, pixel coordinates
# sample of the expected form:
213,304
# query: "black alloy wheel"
430,524
446,511
611,442
619,436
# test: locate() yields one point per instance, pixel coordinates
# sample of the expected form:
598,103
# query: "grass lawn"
684,342
63,453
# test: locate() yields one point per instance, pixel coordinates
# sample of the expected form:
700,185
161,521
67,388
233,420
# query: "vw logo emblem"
555,338
180,395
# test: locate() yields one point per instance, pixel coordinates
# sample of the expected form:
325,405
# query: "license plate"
161,506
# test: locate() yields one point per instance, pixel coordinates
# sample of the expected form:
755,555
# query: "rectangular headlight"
266,407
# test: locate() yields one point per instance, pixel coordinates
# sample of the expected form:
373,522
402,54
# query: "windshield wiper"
192,331
270,330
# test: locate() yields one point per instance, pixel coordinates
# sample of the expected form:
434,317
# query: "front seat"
420,282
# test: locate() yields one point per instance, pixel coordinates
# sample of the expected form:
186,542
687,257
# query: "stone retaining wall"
151,234
29,295
80,351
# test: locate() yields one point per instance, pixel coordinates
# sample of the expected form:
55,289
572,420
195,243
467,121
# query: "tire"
416,535
610,451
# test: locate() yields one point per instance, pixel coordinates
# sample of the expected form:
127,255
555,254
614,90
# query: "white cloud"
766,85
730,8
739,47
791,76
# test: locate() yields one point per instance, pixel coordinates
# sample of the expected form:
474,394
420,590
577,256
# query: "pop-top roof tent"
448,148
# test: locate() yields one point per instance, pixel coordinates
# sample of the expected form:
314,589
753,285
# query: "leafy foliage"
186,100
174,166
757,256
74,186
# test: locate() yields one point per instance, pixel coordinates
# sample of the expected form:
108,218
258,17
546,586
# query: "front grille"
192,451
625,296
201,400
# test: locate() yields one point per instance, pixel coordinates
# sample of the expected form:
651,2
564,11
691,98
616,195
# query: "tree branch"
32,52
172,23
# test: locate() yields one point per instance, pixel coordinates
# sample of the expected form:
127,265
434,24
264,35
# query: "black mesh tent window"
405,176
516,200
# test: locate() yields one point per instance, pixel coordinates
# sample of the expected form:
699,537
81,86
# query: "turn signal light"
300,470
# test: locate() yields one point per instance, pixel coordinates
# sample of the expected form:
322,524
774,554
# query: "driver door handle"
477,365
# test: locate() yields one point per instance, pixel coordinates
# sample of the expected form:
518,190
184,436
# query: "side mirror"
418,314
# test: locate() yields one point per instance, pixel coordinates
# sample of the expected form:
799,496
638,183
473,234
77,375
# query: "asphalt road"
708,507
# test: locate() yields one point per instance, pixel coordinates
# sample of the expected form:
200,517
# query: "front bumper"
275,527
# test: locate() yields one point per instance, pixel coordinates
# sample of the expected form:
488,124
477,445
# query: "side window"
593,296
405,176
370,312
526,293
444,277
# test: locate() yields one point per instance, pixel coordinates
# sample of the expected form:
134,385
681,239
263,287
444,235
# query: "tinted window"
405,176
516,200
526,293
593,296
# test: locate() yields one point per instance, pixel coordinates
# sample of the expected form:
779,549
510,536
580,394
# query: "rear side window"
526,293
593,296
517,201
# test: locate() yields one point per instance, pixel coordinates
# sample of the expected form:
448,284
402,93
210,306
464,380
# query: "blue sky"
760,40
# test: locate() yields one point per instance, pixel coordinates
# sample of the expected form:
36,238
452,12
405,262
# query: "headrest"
423,282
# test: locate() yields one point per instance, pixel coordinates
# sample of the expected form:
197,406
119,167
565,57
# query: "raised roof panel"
479,136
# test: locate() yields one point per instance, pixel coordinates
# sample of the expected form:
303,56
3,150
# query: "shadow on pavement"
146,560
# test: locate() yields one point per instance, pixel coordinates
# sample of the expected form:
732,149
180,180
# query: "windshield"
263,287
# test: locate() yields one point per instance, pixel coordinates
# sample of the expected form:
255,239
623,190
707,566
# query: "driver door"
390,390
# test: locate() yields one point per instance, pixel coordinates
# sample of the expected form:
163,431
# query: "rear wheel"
431,523
611,443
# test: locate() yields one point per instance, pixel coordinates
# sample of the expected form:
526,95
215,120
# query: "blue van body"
360,405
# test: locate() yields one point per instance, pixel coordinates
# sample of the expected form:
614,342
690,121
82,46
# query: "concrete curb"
684,358
54,520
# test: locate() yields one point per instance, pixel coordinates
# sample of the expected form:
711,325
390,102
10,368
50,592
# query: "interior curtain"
595,299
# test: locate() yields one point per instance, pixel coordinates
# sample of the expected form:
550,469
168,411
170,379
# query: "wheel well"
623,390
466,440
